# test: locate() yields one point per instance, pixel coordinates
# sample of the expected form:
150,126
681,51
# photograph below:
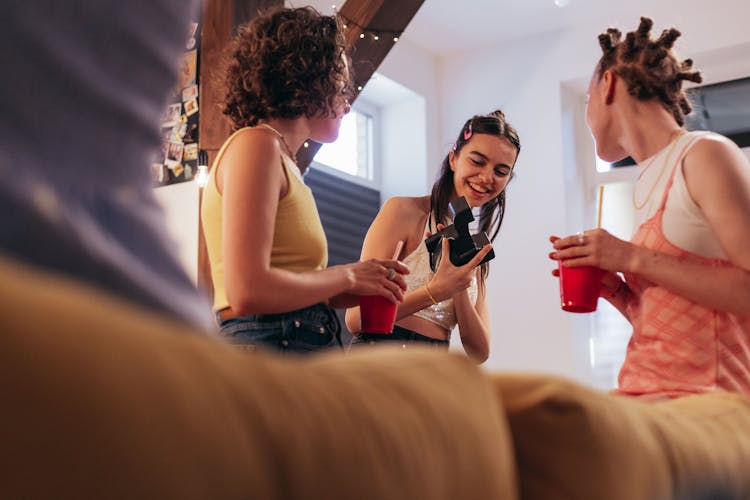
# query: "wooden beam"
361,12
367,53
216,34
245,10
221,18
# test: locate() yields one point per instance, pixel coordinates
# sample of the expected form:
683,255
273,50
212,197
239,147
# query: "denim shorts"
303,331
404,336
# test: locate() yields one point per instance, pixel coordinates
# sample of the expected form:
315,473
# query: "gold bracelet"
427,289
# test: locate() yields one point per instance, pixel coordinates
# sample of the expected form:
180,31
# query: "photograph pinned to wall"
190,92
190,152
188,69
191,38
191,107
159,172
191,135
179,130
177,169
174,154
171,115
177,160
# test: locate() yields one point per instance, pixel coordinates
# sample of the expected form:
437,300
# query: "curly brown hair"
648,66
286,63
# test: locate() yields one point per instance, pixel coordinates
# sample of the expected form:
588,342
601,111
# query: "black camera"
463,246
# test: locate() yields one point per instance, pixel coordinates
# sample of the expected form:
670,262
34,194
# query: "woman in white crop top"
478,167
686,287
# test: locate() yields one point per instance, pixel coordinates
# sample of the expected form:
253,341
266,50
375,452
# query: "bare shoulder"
251,148
407,206
256,138
716,165
249,155
718,152
405,218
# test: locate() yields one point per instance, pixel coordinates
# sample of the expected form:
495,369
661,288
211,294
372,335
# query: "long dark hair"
491,214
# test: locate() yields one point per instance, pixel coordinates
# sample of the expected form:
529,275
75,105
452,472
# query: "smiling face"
482,167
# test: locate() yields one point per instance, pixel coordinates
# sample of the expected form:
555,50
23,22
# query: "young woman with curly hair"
287,80
478,167
686,287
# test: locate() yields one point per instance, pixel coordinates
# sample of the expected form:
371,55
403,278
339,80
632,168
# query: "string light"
374,34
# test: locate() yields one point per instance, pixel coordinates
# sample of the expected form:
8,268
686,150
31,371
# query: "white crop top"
443,313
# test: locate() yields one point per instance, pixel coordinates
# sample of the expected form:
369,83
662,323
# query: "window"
352,152
610,330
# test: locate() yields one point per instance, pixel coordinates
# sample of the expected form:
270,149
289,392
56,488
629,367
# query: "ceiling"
446,27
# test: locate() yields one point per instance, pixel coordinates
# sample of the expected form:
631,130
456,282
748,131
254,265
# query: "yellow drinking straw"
599,210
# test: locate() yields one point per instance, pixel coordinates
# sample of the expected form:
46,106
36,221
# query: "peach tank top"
679,347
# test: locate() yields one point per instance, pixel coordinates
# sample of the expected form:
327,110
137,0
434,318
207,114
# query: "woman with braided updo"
686,287
287,80
478,167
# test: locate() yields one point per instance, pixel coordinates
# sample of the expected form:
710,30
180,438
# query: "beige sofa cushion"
707,440
105,400
572,442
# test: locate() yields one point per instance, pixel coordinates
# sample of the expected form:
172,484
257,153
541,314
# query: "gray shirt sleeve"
83,89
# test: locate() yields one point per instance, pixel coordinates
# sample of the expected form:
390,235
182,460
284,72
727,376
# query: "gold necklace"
661,172
283,141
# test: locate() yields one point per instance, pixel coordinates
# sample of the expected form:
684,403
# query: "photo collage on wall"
177,161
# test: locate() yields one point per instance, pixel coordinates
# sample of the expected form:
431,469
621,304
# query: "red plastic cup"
377,314
579,288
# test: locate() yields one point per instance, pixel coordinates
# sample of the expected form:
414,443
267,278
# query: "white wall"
417,70
538,81
180,202
404,149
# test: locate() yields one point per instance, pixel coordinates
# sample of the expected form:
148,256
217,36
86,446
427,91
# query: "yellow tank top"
299,243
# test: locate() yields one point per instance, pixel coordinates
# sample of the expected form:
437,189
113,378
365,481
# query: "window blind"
346,210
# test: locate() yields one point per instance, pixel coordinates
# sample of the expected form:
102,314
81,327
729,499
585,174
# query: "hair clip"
468,132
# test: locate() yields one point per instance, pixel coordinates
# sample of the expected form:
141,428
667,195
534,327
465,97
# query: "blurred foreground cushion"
573,442
102,399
